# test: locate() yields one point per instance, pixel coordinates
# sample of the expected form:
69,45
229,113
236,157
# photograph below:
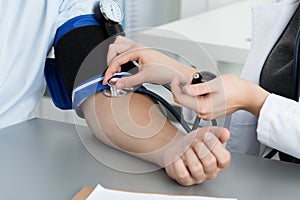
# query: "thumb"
199,89
130,81
221,133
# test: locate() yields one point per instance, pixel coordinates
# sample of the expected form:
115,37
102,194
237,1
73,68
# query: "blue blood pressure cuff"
81,45
89,87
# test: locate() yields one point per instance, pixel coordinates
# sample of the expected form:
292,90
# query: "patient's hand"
134,124
203,160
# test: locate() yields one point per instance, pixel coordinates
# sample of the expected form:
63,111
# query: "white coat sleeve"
279,125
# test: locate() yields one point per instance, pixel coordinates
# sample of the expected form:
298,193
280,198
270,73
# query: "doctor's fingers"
122,45
203,88
116,63
117,49
178,96
130,81
201,104
122,39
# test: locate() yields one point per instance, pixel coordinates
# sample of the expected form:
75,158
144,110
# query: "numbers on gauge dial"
111,10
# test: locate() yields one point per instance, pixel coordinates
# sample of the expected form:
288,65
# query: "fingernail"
208,137
120,85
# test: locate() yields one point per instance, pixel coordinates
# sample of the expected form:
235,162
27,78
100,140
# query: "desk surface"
224,32
42,159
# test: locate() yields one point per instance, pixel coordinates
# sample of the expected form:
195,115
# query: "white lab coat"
278,125
27,30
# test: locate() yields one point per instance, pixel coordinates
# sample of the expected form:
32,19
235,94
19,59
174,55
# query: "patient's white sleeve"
279,125
69,9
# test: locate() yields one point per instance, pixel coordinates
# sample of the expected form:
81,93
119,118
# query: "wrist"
256,99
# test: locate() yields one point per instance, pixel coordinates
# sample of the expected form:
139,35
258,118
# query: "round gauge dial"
111,10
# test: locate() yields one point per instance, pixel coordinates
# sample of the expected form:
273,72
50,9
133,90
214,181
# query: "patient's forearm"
132,123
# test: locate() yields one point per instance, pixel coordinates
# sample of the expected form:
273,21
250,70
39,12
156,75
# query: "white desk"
224,32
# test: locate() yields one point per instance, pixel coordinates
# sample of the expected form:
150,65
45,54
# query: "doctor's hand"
220,96
154,67
204,159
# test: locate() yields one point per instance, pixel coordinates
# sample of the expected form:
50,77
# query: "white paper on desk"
101,193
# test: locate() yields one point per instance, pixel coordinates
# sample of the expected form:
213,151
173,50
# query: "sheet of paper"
101,193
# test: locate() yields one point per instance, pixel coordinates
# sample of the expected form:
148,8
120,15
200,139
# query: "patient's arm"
134,124
125,123
131,123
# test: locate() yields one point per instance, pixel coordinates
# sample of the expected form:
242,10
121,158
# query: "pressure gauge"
111,10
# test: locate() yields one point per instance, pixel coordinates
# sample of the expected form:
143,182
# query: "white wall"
217,3
192,7
149,13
